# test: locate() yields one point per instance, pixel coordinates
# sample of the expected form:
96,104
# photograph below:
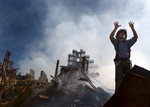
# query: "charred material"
68,88
15,89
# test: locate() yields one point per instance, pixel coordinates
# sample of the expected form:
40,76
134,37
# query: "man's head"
122,34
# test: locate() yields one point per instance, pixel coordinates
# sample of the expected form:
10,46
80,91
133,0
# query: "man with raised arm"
122,47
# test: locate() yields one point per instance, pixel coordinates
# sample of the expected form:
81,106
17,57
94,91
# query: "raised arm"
112,34
131,24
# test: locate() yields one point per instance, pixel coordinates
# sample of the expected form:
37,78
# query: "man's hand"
131,24
116,24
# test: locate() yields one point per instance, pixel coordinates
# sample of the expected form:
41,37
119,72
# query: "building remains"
69,87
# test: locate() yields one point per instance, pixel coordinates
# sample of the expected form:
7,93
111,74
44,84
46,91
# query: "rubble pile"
69,87
16,88
55,97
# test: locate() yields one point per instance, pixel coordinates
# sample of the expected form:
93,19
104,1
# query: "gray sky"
40,32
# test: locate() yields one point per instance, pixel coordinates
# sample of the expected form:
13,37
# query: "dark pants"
122,67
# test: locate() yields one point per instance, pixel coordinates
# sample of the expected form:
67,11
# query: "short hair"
122,30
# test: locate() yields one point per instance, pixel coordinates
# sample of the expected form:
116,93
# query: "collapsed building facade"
69,87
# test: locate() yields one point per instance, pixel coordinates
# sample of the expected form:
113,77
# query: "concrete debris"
69,87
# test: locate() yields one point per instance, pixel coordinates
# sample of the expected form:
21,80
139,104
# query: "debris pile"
69,87
16,88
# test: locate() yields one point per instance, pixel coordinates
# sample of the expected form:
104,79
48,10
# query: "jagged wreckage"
69,87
